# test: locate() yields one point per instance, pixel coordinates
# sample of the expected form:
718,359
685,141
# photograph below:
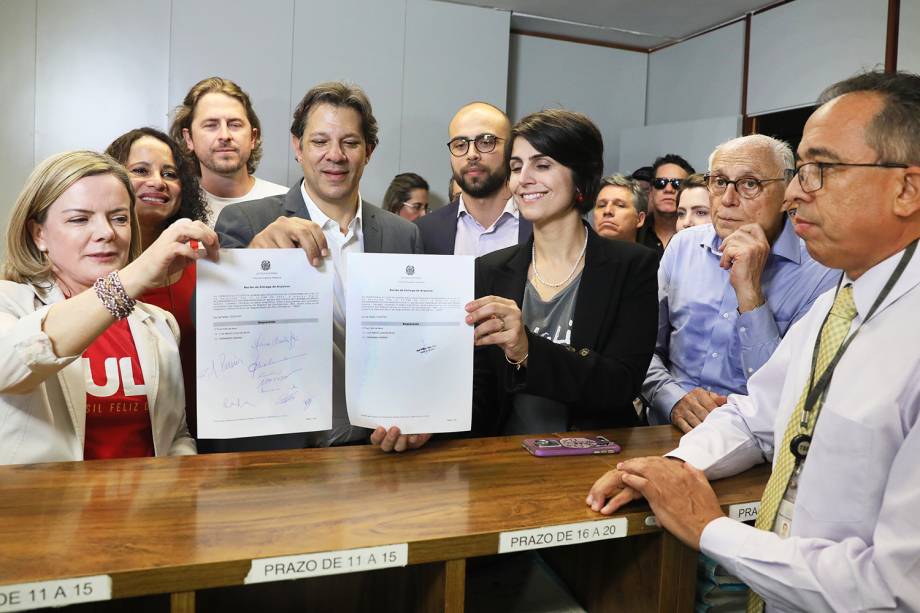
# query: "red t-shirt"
117,415
177,299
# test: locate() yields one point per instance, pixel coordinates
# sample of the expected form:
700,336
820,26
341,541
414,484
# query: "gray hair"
782,152
894,133
640,200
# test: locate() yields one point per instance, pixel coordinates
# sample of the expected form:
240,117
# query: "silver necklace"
536,273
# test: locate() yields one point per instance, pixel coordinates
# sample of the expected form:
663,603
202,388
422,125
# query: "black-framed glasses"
747,187
662,182
811,174
485,143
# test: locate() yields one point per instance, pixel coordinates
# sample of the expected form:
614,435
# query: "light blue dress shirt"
702,339
473,239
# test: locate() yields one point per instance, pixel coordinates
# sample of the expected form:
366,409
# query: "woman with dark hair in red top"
166,189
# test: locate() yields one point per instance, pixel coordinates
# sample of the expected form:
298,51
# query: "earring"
579,197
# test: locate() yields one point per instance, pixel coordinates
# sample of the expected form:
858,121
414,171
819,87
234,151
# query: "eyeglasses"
485,143
811,174
416,206
661,182
747,187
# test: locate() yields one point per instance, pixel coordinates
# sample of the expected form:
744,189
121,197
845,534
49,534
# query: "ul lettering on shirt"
117,415
563,335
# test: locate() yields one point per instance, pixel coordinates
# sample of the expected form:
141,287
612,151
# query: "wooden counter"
177,525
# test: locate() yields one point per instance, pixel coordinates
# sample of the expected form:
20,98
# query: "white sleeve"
818,574
26,355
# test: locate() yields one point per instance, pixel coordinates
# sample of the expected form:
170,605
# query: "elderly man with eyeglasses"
729,291
484,218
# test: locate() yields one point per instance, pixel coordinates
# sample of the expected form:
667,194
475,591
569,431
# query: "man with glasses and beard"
484,218
729,291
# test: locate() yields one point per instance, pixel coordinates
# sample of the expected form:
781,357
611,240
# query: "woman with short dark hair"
565,324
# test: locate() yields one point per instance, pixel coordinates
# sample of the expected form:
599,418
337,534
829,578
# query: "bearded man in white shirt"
219,126
837,528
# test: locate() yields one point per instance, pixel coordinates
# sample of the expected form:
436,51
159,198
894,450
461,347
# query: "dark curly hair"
191,200
574,141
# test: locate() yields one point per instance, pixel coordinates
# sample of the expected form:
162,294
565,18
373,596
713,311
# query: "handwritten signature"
258,364
426,349
215,368
236,403
290,340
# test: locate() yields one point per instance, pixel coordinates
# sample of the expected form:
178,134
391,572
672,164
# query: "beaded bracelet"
113,296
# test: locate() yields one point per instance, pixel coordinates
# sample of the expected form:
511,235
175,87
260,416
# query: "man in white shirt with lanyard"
837,407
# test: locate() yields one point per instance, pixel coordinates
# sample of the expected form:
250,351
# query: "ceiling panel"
635,23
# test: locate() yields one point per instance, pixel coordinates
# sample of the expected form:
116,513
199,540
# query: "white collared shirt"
473,239
854,542
340,245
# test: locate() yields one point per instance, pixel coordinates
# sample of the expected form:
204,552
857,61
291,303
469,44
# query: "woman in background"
407,196
693,202
73,273
565,324
166,189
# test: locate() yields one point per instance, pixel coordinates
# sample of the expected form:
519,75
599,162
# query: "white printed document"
409,350
264,334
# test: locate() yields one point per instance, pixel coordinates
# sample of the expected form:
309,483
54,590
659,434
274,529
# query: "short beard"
225,168
490,185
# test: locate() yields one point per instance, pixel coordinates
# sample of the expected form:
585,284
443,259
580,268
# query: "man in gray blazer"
333,135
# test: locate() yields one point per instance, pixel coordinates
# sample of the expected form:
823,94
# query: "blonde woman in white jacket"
85,370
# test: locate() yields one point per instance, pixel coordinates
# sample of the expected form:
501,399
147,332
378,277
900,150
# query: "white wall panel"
606,84
909,36
800,48
699,78
102,68
227,38
17,101
454,54
359,41
693,140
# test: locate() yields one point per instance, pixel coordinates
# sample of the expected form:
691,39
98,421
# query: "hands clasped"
680,495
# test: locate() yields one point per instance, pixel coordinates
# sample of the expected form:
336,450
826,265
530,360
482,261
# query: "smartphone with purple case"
552,446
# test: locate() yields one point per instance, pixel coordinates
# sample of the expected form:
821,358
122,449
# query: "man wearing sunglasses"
484,218
837,407
728,291
668,172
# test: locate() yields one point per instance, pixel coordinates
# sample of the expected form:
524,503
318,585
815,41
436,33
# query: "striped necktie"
833,333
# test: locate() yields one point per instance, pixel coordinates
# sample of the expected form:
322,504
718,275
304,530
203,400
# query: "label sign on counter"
282,568
744,512
563,534
57,593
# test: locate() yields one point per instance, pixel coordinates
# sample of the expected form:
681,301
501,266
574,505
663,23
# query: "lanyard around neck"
817,390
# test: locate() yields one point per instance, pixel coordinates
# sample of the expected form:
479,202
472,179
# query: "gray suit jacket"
383,231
